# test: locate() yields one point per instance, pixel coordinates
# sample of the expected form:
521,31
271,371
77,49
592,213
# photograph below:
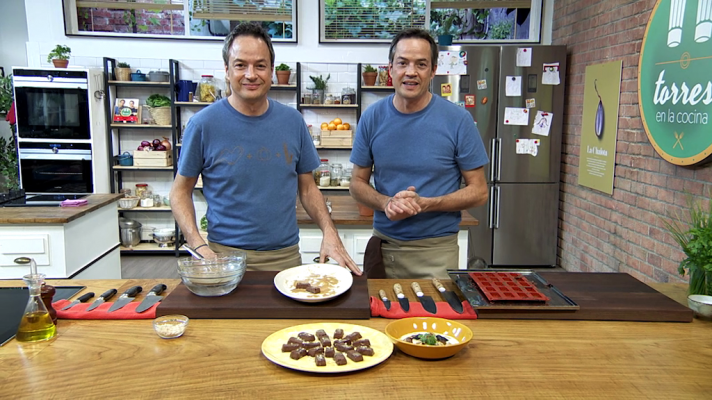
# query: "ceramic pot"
364,211
60,63
283,77
123,74
369,78
445,40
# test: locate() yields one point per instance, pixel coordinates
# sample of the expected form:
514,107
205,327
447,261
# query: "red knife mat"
507,286
257,298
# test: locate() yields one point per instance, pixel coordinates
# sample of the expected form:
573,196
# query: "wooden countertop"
54,215
345,212
222,358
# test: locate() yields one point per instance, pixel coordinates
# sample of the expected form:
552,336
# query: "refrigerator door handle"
499,158
493,155
496,210
490,208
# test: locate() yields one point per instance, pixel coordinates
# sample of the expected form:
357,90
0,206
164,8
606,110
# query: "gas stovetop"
18,198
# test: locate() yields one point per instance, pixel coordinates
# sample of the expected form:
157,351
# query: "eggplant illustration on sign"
599,113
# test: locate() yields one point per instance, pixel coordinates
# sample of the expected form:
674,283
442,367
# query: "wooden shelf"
149,247
334,147
333,187
283,87
145,209
328,105
132,168
192,103
140,126
377,88
140,84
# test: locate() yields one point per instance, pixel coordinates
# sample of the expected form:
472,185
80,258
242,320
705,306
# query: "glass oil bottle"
36,324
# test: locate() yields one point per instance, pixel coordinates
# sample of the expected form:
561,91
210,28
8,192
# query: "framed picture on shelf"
127,111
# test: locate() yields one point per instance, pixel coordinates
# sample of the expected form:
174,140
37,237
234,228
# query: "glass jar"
329,99
322,175
348,96
126,192
335,171
157,200
141,189
315,135
345,180
207,89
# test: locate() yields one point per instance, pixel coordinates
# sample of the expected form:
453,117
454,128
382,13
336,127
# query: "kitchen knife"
384,298
104,297
402,300
151,298
448,295
82,299
125,298
426,301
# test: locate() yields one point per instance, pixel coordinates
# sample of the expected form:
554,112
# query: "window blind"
244,10
369,20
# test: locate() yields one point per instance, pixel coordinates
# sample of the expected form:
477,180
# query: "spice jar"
207,89
157,200
335,174
329,99
315,135
141,189
348,96
345,180
322,175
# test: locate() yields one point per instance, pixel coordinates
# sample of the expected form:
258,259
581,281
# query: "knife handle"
108,294
158,289
133,291
416,288
86,297
398,289
382,293
438,285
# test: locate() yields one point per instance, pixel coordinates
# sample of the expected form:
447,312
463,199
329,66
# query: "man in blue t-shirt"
254,155
419,147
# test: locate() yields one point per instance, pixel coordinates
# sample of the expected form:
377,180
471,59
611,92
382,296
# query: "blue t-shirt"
426,149
249,167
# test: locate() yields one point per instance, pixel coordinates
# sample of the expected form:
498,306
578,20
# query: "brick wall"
623,232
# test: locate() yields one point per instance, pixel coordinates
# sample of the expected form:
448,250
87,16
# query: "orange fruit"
324,126
332,127
347,126
340,127
337,121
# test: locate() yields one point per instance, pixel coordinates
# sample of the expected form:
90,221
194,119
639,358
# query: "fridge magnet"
461,104
531,103
542,123
445,89
127,111
527,146
516,116
469,100
482,84
524,57
452,63
551,74
514,86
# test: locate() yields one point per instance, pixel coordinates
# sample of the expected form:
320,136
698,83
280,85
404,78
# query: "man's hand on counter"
332,247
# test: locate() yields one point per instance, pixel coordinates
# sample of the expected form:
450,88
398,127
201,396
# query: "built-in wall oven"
52,104
58,168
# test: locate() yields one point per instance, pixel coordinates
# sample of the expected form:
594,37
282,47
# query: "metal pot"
129,232
158,76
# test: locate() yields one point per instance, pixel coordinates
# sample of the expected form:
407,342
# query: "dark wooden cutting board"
256,297
604,297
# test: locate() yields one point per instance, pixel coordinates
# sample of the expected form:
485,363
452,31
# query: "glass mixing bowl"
213,277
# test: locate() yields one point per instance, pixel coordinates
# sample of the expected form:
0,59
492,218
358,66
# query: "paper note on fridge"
528,146
514,86
542,123
551,74
524,57
516,116
452,63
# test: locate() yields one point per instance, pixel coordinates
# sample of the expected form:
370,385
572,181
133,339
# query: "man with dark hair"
420,147
254,155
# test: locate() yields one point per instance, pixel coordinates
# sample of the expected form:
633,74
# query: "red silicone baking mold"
507,286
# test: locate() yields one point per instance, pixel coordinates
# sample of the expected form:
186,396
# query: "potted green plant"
283,71
369,75
694,235
123,71
160,108
319,88
59,56
445,30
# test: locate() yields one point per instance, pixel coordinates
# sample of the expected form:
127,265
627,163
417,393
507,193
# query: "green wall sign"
675,81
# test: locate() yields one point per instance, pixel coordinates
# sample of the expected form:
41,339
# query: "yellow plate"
315,274
272,348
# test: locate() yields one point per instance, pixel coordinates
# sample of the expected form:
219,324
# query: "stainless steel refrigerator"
519,225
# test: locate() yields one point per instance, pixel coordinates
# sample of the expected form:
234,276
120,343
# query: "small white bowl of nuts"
170,326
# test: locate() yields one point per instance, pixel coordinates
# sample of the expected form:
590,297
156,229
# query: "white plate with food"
313,283
380,345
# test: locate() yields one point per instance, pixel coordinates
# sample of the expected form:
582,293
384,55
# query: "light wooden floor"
164,266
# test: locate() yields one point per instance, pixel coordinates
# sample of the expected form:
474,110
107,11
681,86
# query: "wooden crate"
336,141
152,158
337,134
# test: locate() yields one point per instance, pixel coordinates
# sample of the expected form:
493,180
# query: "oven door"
52,110
56,168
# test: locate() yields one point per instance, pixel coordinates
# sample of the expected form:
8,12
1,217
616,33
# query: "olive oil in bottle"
36,323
